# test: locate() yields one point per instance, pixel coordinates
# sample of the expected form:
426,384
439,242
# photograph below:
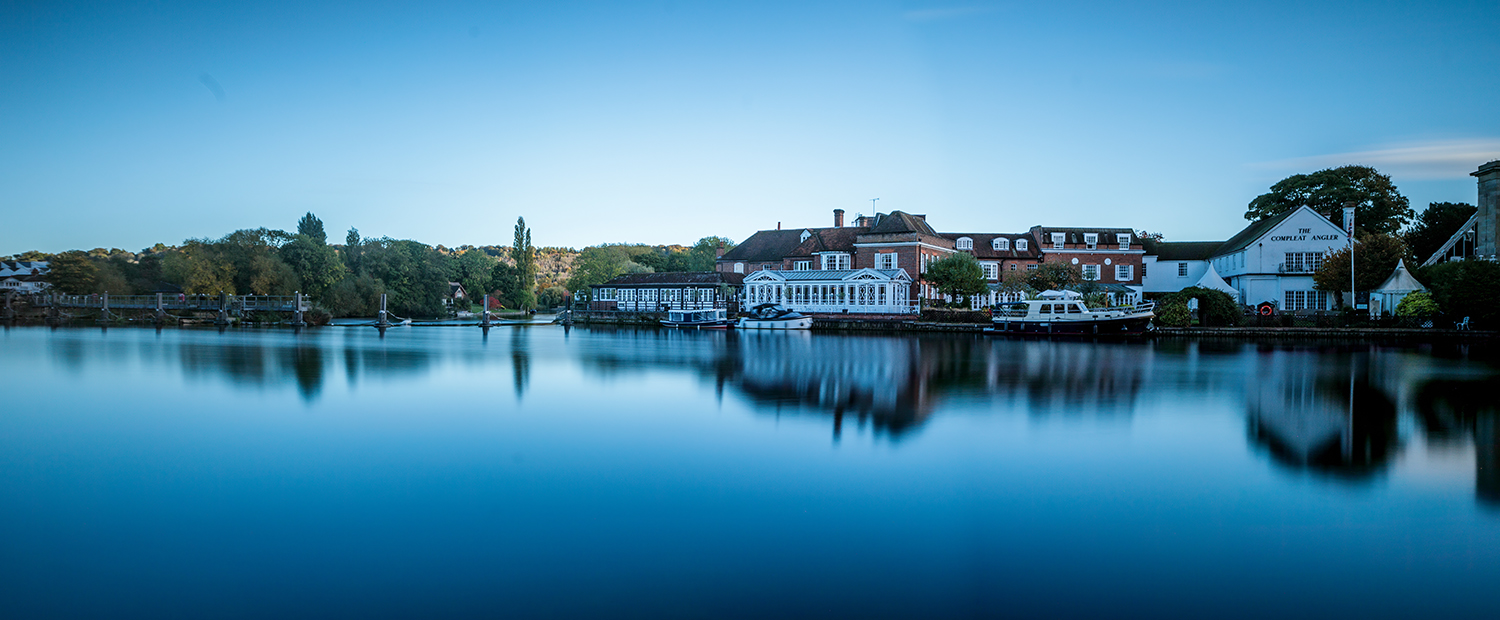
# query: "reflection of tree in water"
1300,412
1454,411
308,362
520,358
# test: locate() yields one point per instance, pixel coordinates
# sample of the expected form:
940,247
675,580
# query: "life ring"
1266,309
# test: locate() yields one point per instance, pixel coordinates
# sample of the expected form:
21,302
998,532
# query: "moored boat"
774,316
1063,312
708,318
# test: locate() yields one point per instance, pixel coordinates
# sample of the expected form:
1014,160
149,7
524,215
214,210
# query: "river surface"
439,472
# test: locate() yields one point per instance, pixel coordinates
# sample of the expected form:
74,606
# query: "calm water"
619,473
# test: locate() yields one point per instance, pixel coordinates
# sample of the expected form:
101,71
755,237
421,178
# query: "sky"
126,124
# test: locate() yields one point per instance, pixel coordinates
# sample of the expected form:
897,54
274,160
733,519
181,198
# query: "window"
885,261
1032,267
1302,262
1123,240
1124,273
834,260
1091,240
806,234
1091,272
1304,300
1020,245
801,265
739,267
965,243
1182,270
1057,241
1000,244
991,271
1143,271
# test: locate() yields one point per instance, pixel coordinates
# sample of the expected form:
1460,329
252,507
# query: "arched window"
1000,244
1020,245
965,243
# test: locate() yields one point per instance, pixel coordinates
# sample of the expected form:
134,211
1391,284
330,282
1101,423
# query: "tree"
1434,226
1379,208
1466,289
472,268
1375,257
524,255
957,275
705,253
1149,240
317,266
312,227
72,272
1053,275
599,264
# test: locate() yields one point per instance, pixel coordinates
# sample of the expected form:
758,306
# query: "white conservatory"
833,291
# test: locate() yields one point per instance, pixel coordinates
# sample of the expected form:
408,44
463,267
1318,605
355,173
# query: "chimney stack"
778,225
838,218
719,251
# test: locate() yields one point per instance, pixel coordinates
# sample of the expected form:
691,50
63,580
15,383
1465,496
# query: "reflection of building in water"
1325,417
879,380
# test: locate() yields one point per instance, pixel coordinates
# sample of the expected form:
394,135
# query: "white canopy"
1211,280
1401,281
1056,294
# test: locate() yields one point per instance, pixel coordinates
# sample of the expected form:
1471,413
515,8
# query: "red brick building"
1105,255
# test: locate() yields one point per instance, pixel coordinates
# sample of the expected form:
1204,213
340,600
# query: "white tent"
1401,283
1211,280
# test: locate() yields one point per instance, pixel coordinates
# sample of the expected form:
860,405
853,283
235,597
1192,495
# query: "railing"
263,303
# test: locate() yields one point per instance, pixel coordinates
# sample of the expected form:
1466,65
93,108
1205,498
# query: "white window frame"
1182,270
1020,245
1000,244
739,267
1124,273
964,243
1091,268
1091,240
801,265
1058,239
991,270
835,260
1124,240
886,260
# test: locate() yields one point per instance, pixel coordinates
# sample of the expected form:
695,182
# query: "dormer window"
805,235
1000,244
965,243
1091,240
1020,245
1057,240
1123,240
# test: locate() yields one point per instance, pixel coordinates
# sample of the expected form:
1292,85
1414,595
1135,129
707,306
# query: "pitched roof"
897,222
774,245
677,278
1186,250
1102,232
1252,232
984,244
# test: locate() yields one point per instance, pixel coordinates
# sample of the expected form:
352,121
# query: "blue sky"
123,125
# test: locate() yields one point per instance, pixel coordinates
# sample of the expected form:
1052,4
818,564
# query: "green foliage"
411,272
523,291
1053,275
1418,304
354,296
1215,308
957,275
1434,226
312,228
1379,207
1375,257
1468,288
1173,313
73,273
552,297
315,264
1096,300
598,264
472,268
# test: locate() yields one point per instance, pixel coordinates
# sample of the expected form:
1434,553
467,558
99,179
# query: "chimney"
719,251
838,218
778,225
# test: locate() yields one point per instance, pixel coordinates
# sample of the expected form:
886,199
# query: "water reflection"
1455,412
1325,416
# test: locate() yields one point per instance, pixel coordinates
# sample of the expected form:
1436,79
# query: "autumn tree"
1375,257
1053,275
1379,208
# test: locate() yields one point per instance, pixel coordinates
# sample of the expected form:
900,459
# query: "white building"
22,276
1273,260
833,291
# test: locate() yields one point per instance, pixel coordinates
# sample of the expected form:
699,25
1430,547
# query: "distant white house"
1273,260
24,277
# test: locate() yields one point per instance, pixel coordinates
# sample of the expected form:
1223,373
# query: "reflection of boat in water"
710,318
774,316
1063,312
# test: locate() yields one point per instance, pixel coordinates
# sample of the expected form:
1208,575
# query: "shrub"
1417,304
1215,308
1174,313
1468,288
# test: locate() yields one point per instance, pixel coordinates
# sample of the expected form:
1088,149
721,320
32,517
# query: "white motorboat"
774,316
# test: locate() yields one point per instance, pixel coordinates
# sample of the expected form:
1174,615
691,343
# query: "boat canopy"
1056,294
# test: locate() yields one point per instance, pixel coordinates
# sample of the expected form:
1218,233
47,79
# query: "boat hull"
802,322
1121,326
722,324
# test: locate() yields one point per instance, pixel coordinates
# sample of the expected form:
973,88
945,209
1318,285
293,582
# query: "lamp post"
1349,228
